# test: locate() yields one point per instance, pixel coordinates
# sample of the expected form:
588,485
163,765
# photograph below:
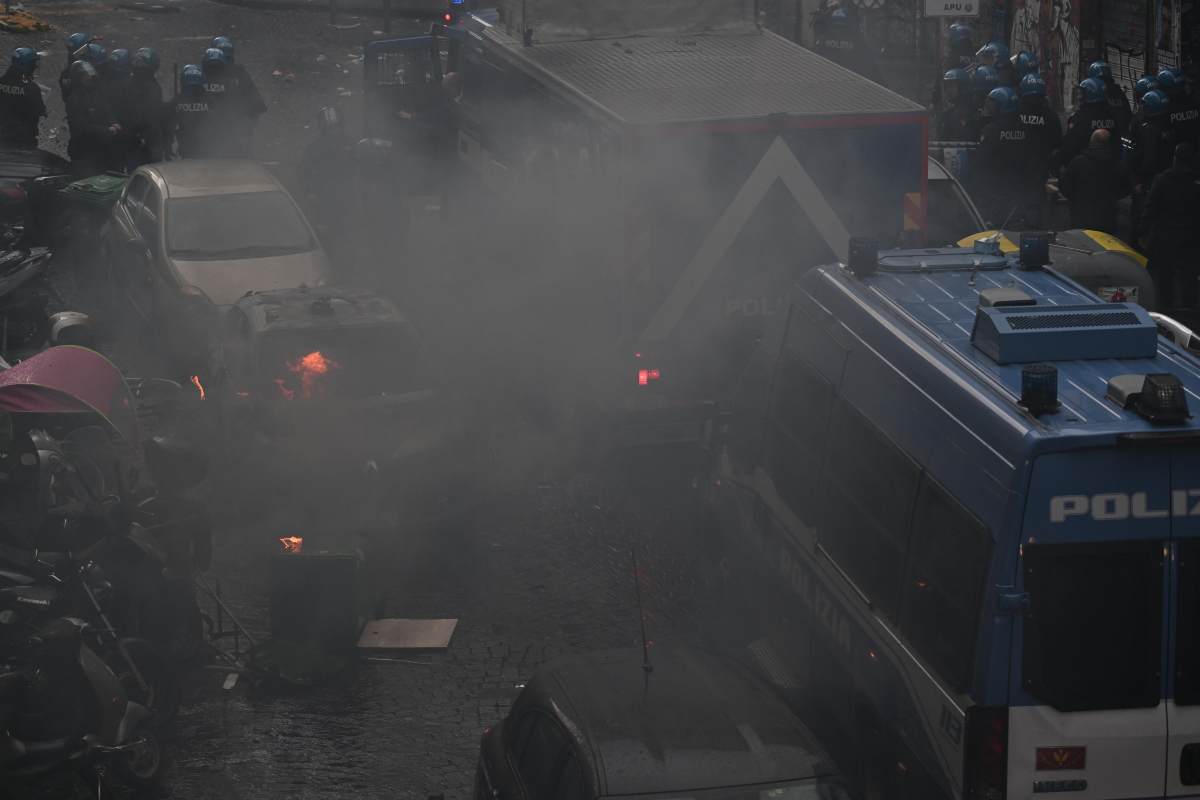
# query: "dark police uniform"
1184,117
959,123
89,119
21,107
238,104
1043,137
1000,173
147,119
195,120
1118,106
1170,220
1082,124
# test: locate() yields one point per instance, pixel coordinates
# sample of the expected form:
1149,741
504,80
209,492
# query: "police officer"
1114,95
1153,149
1006,75
90,120
1000,172
1094,182
73,43
1184,113
1043,137
1170,220
961,49
1093,114
1023,63
983,80
147,110
247,104
1144,84
116,74
195,119
839,37
21,105
958,121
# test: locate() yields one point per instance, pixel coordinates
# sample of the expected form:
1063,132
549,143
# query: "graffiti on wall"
1050,30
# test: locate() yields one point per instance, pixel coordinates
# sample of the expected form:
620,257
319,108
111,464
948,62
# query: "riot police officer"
21,105
983,80
73,43
116,75
1093,114
1184,113
1114,95
195,117
1023,63
90,120
1144,84
1153,149
1170,219
233,85
961,50
147,110
958,121
1000,172
1006,75
1043,136
839,37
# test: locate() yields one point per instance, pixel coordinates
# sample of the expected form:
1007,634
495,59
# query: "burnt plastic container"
317,600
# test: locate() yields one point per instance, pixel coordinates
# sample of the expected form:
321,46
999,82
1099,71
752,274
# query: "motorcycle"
62,707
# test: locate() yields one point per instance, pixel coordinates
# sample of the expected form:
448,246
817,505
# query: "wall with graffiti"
1050,30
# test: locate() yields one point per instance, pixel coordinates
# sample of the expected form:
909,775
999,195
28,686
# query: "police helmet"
225,45
1001,100
191,76
92,53
214,57
1101,71
839,18
82,73
959,33
1091,91
956,83
119,62
984,79
1144,84
145,60
1002,52
1024,63
987,54
1033,85
1154,103
956,75
1168,81
25,60
76,41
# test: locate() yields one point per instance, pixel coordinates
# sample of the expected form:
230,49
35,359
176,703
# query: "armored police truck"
657,173
978,502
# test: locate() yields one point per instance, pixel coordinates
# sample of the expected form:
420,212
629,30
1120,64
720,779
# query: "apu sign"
952,8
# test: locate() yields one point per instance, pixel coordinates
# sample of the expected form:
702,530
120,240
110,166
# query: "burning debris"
310,369
292,544
199,386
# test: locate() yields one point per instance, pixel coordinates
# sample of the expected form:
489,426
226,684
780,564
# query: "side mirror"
175,466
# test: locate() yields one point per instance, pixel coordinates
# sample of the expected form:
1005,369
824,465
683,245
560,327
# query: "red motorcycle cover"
70,379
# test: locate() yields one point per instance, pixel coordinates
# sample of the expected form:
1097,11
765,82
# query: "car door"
124,250
540,751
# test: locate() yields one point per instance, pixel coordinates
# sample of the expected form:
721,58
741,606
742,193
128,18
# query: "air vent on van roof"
1022,334
1003,296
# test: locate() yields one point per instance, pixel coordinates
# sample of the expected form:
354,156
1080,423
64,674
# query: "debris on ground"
21,21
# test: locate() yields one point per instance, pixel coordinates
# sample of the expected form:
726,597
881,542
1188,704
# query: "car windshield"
361,361
812,789
248,225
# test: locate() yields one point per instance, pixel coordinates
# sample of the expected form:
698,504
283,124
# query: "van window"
871,486
948,560
1093,634
799,413
1187,618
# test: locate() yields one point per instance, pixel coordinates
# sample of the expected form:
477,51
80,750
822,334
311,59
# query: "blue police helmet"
1101,71
1002,52
1092,91
120,62
225,45
92,53
1001,100
145,60
985,78
214,56
959,33
1024,63
191,76
77,40
25,59
81,72
1168,81
840,18
956,75
987,54
1154,103
1143,85
1033,85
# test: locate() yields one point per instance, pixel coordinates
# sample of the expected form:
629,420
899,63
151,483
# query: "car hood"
226,281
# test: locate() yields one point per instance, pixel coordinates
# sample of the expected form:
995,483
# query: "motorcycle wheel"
141,766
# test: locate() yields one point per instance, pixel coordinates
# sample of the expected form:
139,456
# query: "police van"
977,503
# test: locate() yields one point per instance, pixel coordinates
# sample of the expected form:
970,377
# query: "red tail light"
985,770
1052,758
644,376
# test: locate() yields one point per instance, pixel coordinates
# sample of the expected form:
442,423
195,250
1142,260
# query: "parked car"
694,725
191,236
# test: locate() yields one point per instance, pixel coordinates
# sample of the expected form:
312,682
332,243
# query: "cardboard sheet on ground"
407,634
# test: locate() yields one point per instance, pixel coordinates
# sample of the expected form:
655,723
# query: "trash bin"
317,600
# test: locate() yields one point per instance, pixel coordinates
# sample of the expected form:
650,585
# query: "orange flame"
199,386
310,368
292,544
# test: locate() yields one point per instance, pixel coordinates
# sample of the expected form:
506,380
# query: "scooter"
63,708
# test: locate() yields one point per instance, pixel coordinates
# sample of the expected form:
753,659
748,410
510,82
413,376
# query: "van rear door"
1183,678
1087,715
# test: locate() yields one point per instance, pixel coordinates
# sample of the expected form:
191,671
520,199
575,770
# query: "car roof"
318,307
695,721
205,177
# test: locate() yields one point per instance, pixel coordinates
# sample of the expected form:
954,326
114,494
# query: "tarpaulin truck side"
691,176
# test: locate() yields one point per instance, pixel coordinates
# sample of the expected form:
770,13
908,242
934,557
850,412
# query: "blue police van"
976,497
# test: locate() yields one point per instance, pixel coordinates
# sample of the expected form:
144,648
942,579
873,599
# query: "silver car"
190,236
